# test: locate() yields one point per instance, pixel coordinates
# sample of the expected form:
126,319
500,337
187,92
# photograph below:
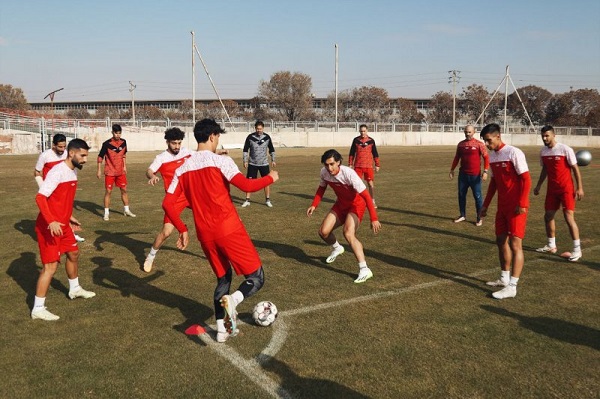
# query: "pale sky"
93,49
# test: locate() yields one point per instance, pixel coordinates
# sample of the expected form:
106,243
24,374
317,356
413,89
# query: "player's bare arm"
55,228
578,182
376,226
483,212
310,210
183,240
275,175
153,179
538,186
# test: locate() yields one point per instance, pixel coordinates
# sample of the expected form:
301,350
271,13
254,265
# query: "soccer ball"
584,157
264,313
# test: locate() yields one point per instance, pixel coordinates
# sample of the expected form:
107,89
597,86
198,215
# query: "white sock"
513,281
152,252
106,211
336,245
73,283
576,245
362,265
505,275
552,242
221,326
238,297
39,302
126,208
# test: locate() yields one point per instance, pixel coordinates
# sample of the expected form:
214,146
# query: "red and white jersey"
47,160
59,187
558,161
506,165
204,178
346,184
167,163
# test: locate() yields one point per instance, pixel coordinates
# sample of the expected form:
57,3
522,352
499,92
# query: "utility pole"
454,79
336,87
51,95
132,91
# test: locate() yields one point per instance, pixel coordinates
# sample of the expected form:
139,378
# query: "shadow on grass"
307,197
561,330
289,251
558,259
91,207
104,275
26,227
451,233
302,387
25,272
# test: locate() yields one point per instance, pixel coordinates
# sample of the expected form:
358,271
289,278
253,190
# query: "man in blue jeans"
469,152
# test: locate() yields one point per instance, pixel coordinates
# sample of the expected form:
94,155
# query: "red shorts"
365,173
115,181
51,248
554,200
342,212
235,249
179,206
511,224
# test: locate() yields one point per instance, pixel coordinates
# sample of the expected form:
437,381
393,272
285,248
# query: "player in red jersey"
558,161
469,152
113,152
348,210
204,180
510,177
166,163
48,159
54,234
363,153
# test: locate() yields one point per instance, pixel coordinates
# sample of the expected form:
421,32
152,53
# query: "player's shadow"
104,275
307,197
412,213
561,330
289,251
25,272
91,207
450,233
559,260
26,227
302,387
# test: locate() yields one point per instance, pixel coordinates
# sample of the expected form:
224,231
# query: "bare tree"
79,113
574,108
289,93
473,100
107,112
13,98
149,112
407,112
440,108
368,104
535,99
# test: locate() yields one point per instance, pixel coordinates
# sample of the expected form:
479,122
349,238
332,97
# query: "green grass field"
424,326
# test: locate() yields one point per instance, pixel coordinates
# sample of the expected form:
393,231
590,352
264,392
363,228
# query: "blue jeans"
464,182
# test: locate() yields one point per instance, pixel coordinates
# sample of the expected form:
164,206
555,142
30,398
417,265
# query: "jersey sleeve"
102,152
39,165
155,165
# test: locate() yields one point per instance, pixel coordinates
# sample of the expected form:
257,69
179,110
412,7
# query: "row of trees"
287,96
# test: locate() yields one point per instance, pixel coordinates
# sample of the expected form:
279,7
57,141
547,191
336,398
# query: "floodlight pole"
336,86
51,95
193,80
132,91
506,99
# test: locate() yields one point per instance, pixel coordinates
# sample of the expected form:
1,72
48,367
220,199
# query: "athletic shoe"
79,239
106,216
42,313
79,292
510,291
479,223
547,249
575,256
129,213
459,219
230,313
363,275
335,253
374,204
497,283
268,203
148,264
223,336
245,204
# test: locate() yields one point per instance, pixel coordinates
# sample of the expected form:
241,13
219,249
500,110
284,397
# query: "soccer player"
510,177
166,163
113,151
204,180
348,210
54,234
49,158
255,158
558,161
363,153
469,152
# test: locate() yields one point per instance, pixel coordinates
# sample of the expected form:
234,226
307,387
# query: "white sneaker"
43,314
268,203
79,292
245,204
148,263
223,336
79,239
547,249
129,213
459,219
497,283
363,275
510,291
575,256
479,223
106,216
230,320
335,253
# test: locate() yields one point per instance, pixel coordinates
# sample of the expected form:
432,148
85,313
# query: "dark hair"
363,125
548,128
205,128
116,128
77,144
331,153
491,128
259,123
58,138
174,133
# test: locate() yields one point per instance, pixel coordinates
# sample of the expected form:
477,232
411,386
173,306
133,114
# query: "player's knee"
324,234
253,282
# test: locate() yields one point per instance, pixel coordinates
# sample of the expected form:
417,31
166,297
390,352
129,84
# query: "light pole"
132,91
51,95
454,78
